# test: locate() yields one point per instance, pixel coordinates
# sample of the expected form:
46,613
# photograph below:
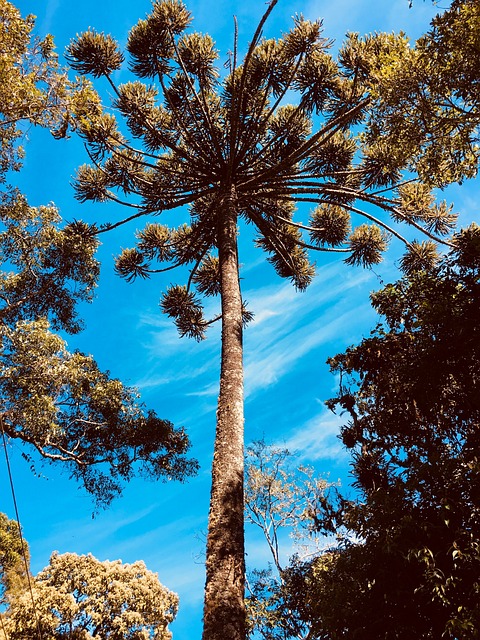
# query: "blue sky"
286,346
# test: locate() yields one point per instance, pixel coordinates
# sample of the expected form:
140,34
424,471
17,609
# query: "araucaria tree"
233,151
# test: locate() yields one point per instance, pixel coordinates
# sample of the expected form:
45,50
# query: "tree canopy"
83,598
34,89
228,146
427,104
58,402
282,498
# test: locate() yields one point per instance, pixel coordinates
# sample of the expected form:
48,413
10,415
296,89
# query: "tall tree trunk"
224,608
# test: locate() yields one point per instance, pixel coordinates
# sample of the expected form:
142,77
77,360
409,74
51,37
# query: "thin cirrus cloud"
269,364
286,326
51,8
317,439
289,326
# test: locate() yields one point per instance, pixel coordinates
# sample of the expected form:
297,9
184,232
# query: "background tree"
427,107
405,561
58,402
280,496
14,558
282,500
34,89
82,598
234,152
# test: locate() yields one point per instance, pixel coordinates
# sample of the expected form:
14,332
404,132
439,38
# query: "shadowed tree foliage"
228,146
81,598
412,393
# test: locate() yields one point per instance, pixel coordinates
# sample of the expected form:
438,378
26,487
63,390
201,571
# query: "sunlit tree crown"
198,137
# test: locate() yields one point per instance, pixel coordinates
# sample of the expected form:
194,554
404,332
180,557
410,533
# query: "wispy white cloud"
291,325
50,10
88,534
268,364
318,439
172,372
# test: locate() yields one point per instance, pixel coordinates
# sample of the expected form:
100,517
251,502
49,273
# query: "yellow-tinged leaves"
198,137
197,53
71,412
417,204
154,241
171,15
81,592
131,264
303,37
33,87
375,59
91,184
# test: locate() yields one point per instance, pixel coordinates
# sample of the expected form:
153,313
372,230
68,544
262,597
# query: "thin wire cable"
22,542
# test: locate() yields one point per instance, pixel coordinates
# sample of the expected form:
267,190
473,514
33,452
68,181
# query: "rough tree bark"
224,609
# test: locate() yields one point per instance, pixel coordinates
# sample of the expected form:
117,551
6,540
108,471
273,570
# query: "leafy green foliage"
33,86
59,402
367,244
70,412
47,269
83,598
100,54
